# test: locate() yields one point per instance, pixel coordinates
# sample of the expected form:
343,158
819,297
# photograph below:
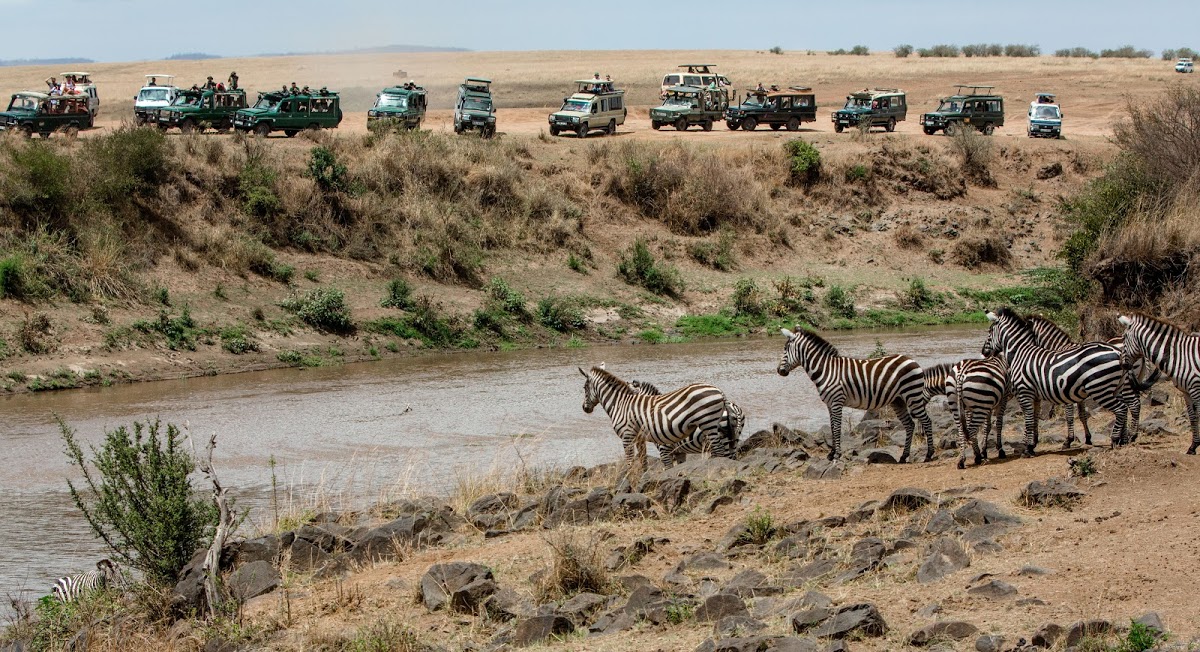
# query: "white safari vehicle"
1184,65
158,93
81,83
595,105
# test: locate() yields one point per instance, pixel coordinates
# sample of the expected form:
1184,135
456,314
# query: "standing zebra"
1070,375
733,420
935,379
1175,353
71,587
665,420
894,380
977,390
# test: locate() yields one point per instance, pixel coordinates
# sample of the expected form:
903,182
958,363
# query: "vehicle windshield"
1046,113
576,105
23,104
855,102
154,95
265,102
186,100
392,101
477,105
680,100
753,102
950,106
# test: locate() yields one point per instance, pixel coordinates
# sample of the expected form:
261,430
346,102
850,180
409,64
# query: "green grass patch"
708,326
299,358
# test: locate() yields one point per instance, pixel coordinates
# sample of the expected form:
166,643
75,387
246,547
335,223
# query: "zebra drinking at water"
72,587
666,420
894,380
1175,353
1066,376
732,423
977,390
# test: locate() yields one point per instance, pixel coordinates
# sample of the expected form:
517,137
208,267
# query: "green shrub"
41,182
129,162
1140,638
324,168
180,332
238,340
1018,50
747,299
857,173
903,51
139,498
12,278
433,327
840,302
760,527
939,51
706,326
804,161
776,50
324,309
718,254
256,186
638,267
163,296
399,295
561,314
506,299
576,263
1126,52
680,611
1077,53
919,297
652,336
298,359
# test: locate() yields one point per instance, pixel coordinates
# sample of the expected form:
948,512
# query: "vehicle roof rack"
33,94
157,75
802,89
975,89
481,80
706,66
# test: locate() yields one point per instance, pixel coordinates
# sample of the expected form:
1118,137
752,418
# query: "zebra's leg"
952,404
835,428
1000,428
981,449
635,454
1028,408
1083,421
1135,413
1193,412
1069,410
907,421
1115,403
918,411
718,442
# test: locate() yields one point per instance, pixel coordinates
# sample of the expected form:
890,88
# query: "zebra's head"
1132,351
1007,328
108,570
791,357
591,394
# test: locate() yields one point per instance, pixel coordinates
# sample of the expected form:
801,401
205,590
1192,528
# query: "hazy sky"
130,30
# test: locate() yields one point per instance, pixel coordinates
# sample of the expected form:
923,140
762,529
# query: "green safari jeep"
684,106
972,106
30,112
398,106
474,110
290,113
775,108
872,107
199,110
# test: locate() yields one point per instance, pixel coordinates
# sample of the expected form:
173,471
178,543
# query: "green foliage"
840,302
130,162
180,332
576,263
1047,289
506,298
163,296
1140,638
41,181
1082,53
312,275
919,297
760,527
1126,52
299,359
219,292
804,161
139,499
776,50
747,299
13,275
61,378
903,51
638,267
561,314
680,611
706,326
324,309
879,351
652,336
941,50
238,340
1082,466
324,168
399,295
1180,53
857,173
718,254
256,186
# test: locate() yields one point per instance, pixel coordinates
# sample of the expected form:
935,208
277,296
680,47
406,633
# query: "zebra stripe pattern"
1175,353
935,379
733,420
72,587
1049,336
1071,375
893,380
665,420
977,390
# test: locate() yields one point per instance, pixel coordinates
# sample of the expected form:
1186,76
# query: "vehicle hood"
151,104
391,110
182,109
570,114
1045,121
17,113
252,113
671,110
475,113
854,110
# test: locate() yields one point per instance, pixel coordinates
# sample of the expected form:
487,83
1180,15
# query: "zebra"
72,587
894,380
977,390
733,420
935,379
1071,375
1174,352
665,420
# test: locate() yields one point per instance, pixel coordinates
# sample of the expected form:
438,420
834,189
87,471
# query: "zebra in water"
665,420
732,422
1174,352
72,587
1051,336
977,391
894,380
1091,370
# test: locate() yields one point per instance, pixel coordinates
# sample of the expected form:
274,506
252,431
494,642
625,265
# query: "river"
351,434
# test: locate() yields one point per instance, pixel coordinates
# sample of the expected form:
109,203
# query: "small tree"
903,51
139,499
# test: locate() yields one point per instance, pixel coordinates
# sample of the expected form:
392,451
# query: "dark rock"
955,630
1033,571
738,644
460,586
719,606
861,619
642,600
1158,397
507,604
940,523
1052,492
907,499
863,511
810,618
624,556
252,580
1027,602
815,599
672,493
944,556
1051,171
582,607
1047,635
541,628
261,549
989,643
994,589
488,511
711,505
981,512
930,610
1152,621
794,644
307,556
804,574
1086,629
705,561
886,455
870,549
737,625
617,620
837,646
750,583
631,582
822,469
188,594
595,506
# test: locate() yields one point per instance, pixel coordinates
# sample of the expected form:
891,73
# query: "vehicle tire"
749,124
732,124
262,129
793,124
891,125
458,128
187,126
930,132
553,131
681,124
161,127
140,121
612,127
27,131
775,127
989,130
707,125
655,125
838,127
582,131
71,132
488,131
291,133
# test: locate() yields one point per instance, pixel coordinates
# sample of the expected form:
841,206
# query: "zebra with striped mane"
666,420
1174,352
72,587
732,422
1072,375
864,384
978,391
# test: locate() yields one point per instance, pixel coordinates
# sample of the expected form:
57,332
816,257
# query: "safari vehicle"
872,107
1184,65
685,106
401,107
700,75
195,110
595,105
776,108
1045,121
158,93
474,110
83,85
30,112
290,113
972,105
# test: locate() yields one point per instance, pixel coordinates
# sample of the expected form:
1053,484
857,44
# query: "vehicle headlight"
491,118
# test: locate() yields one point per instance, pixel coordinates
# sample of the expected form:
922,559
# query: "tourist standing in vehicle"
233,81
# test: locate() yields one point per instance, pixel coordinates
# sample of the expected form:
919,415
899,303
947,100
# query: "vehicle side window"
691,80
208,102
671,80
595,107
285,107
302,106
997,106
785,103
900,101
617,103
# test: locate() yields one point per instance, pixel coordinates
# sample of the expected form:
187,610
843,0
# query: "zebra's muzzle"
783,370
588,408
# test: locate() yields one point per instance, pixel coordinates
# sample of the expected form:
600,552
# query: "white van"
696,75
596,104
159,92
82,83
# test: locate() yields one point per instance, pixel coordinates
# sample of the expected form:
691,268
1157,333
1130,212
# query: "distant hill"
383,49
192,56
44,62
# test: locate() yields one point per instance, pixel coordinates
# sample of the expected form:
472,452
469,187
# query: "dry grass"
576,565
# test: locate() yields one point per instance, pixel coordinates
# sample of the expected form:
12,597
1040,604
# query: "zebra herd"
1027,358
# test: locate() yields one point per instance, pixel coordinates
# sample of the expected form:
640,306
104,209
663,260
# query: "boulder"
460,586
672,493
623,556
981,512
632,504
994,590
307,556
642,600
907,499
885,455
794,644
954,630
750,583
856,620
595,506
540,628
799,576
261,549
507,604
944,556
1047,172
705,561
736,644
989,643
1051,493
491,510
737,625
1047,635
252,580
1152,621
823,469
940,523
1086,629
719,606
580,608
803,621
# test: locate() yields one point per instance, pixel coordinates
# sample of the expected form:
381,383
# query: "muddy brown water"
346,436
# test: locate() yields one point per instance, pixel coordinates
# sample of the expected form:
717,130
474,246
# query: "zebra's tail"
962,415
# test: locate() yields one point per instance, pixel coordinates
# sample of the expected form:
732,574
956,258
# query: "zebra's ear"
1127,322
992,316
582,372
601,365
786,333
